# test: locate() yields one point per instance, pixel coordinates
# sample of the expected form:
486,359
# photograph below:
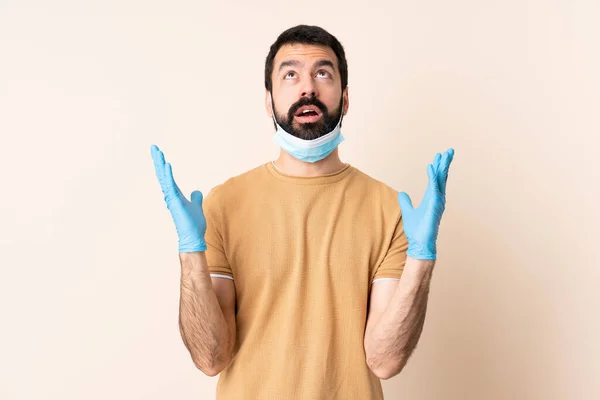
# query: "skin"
291,83
396,318
397,308
206,314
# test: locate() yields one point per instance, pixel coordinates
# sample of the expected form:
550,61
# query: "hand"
188,216
421,224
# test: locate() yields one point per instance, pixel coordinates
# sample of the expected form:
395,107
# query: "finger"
436,160
447,160
441,172
169,175
451,152
197,197
433,184
170,181
442,162
436,165
405,202
154,151
159,164
157,155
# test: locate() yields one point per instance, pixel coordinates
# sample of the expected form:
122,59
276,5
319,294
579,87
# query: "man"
290,285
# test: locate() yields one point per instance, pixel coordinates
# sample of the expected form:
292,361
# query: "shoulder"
373,185
375,195
237,185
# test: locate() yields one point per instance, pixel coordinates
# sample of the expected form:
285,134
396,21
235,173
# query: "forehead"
306,53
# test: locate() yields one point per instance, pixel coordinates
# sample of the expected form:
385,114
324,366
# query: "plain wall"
89,279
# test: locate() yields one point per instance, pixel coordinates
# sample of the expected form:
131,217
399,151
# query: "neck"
294,167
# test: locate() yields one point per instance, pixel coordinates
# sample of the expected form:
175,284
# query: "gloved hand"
421,224
188,216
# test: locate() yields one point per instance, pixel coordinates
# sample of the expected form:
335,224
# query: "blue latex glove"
421,224
188,216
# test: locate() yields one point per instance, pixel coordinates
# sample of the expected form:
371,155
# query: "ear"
268,104
346,100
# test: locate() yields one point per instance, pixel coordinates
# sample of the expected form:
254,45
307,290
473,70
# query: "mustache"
307,101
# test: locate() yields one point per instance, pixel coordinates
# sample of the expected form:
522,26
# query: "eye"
287,74
326,73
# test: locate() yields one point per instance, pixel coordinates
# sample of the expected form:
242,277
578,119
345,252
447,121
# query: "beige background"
89,283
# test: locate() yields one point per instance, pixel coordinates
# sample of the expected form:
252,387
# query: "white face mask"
308,150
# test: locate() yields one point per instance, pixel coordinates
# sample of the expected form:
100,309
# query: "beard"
309,130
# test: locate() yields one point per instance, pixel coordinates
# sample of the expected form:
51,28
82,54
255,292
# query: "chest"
315,239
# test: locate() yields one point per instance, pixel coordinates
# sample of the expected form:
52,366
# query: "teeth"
305,111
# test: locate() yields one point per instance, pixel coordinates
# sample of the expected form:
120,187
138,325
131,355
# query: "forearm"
392,339
201,322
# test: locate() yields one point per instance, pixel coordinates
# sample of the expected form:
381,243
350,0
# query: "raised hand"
188,216
421,224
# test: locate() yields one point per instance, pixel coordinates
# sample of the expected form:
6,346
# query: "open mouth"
308,114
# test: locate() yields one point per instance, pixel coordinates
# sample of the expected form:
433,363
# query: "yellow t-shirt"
303,252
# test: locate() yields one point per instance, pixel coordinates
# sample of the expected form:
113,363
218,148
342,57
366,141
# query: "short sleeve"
218,265
395,257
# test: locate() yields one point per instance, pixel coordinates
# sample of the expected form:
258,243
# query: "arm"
207,308
396,317
397,310
206,314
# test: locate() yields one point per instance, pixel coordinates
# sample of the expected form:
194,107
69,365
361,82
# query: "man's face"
306,77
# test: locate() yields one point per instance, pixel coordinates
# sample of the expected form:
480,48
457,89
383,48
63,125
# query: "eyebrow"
324,63
295,63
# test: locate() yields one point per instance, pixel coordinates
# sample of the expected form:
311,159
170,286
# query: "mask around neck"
308,150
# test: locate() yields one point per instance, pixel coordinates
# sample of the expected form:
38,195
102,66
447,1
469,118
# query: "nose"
308,87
